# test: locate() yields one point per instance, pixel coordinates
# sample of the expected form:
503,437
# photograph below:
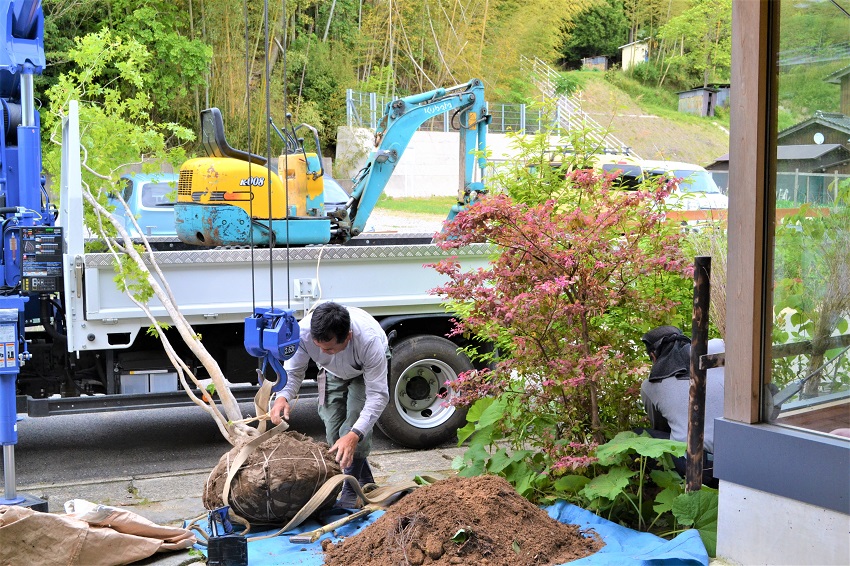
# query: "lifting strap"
381,496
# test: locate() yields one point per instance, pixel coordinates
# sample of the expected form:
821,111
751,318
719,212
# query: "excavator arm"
401,119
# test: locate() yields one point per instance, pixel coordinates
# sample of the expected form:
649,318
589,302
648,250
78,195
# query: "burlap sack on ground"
276,480
114,537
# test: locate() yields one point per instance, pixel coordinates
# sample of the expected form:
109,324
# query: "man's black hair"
330,321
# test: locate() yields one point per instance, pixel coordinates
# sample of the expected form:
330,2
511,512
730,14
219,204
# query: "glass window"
158,194
810,369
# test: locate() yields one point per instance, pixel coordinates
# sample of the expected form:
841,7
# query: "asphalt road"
70,448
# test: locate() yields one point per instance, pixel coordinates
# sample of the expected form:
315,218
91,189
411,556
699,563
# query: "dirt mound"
276,480
480,520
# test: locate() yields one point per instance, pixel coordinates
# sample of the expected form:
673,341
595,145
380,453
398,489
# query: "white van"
695,190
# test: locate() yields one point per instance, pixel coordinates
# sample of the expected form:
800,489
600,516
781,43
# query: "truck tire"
416,415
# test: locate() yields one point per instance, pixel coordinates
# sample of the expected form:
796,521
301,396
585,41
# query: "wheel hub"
419,389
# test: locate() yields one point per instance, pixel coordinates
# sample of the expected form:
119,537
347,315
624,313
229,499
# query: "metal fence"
365,110
795,188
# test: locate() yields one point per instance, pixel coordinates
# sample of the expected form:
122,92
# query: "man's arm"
296,368
377,392
657,421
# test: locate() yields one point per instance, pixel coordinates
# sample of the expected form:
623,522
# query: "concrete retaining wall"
428,167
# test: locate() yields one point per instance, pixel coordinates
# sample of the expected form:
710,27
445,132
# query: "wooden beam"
752,98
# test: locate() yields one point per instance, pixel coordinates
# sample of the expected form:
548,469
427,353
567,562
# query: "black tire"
416,416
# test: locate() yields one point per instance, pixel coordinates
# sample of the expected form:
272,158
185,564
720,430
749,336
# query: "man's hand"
281,406
344,448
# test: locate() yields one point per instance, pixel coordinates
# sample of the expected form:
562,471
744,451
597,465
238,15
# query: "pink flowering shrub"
578,277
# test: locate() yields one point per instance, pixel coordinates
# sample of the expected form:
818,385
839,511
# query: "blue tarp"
623,546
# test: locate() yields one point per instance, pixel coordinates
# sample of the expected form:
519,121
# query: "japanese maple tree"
577,278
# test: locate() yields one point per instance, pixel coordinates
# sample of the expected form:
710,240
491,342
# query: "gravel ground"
387,221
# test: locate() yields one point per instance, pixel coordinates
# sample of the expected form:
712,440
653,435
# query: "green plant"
811,300
629,480
580,275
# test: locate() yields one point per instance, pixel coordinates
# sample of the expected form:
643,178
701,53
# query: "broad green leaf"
615,450
465,432
608,485
502,459
493,413
478,408
699,509
665,498
484,437
571,483
666,478
473,415
458,462
649,447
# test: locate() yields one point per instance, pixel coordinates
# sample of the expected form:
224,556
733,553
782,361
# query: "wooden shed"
699,101
634,53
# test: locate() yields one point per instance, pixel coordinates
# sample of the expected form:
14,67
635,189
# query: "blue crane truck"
73,343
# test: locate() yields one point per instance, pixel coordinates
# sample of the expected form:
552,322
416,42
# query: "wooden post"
699,347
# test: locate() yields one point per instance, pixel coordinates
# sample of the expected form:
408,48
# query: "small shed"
634,53
721,99
842,78
699,101
599,63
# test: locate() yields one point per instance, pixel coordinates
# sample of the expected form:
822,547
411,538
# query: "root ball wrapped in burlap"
276,480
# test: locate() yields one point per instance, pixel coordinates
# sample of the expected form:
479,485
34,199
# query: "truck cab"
150,198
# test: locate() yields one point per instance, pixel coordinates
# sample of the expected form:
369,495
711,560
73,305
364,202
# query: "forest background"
202,53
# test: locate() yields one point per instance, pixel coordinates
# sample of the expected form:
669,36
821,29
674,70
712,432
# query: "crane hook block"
272,335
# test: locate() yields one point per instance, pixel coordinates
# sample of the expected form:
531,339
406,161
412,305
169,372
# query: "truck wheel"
416,416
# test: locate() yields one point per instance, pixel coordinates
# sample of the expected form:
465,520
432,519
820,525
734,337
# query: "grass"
417,205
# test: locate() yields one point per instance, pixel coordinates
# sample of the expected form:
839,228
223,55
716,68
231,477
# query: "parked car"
695,188
335,195
151,200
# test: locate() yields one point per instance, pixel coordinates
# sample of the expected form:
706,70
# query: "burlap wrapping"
276,480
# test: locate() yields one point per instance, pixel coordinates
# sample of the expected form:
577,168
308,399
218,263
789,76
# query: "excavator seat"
214,142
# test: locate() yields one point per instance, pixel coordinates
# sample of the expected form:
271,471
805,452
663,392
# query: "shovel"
313,536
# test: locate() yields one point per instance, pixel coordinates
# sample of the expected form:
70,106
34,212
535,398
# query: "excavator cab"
232,197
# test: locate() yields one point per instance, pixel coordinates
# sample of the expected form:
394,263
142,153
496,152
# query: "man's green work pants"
344,400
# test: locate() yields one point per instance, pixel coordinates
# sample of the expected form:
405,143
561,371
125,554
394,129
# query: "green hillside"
650,123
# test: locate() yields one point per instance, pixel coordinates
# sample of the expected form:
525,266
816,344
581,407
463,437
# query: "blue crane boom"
31,245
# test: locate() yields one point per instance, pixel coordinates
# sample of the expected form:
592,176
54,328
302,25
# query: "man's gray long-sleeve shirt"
365,354
670,400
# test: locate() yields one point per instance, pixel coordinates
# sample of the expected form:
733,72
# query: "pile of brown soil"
500,528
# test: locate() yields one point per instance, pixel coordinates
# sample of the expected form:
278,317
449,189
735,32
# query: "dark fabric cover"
672,350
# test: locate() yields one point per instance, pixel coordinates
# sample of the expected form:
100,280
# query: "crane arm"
401,119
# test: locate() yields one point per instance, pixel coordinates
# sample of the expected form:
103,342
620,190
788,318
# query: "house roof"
835,78
834,120
802,151
634,43
698,89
